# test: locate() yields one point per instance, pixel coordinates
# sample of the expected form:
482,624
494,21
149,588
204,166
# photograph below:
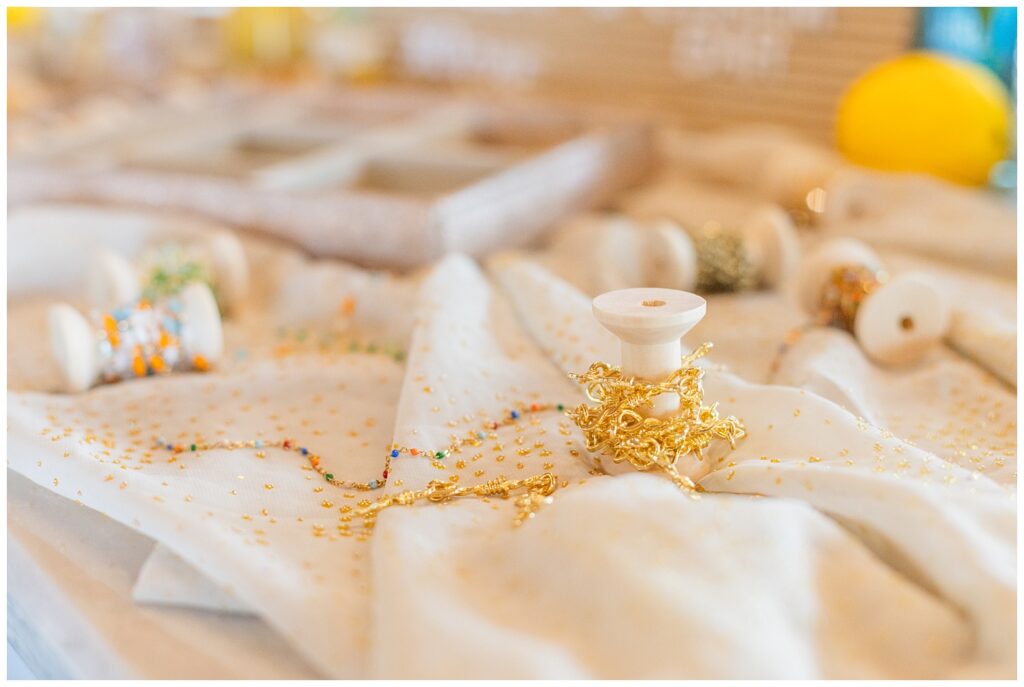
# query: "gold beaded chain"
536,489
615,427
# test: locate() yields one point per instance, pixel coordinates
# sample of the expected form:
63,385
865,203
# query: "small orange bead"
414,451
348,306
199,362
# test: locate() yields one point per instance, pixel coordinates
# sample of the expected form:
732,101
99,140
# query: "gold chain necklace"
536,490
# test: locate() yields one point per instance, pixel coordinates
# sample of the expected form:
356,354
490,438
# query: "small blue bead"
394,453
373,484
480,435
170,447
259,443
304,451
515,414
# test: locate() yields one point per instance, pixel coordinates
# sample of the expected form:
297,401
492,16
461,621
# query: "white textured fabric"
826,545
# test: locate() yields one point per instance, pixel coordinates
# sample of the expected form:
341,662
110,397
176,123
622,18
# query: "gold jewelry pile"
616,429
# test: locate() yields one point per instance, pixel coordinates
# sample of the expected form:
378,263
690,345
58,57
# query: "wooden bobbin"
74,345
772,244
649,324
898,322
113,281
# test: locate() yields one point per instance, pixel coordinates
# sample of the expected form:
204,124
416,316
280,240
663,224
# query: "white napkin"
825,546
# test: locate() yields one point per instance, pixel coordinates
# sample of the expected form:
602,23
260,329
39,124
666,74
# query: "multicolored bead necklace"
167,269
537,488
292,340
143,339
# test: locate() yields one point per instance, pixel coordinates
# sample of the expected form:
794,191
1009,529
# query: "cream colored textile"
825,546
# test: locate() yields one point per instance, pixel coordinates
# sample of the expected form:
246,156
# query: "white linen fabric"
871,540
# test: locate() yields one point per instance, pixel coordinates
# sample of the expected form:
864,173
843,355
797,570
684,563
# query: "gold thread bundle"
617,429
723,264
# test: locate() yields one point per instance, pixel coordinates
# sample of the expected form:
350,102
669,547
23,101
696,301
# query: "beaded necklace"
536,489
166,270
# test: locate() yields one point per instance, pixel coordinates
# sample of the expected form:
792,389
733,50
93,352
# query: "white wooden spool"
898,322
113,281
629,254
772,244
649,324
74,344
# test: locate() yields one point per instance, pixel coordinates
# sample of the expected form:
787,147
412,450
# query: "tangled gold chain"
616,428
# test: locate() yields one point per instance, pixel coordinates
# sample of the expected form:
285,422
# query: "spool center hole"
652,304
906,323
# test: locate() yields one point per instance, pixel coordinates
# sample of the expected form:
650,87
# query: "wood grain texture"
785,66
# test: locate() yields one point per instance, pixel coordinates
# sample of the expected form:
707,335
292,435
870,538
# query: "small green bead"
561,407
193,447
329,476
440,454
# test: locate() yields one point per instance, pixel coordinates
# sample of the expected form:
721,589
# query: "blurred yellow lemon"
925,112
269,37
20,18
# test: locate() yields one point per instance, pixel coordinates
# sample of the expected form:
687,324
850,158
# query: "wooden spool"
649,324
74,345
898,322
113,281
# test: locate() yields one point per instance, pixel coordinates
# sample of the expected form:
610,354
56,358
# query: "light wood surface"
702,67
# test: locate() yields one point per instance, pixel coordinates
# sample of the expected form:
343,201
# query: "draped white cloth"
864,528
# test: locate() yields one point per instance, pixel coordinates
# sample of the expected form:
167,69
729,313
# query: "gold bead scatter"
615,427
722,262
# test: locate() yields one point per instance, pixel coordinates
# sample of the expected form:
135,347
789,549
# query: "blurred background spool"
899,320
217,258
76,345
